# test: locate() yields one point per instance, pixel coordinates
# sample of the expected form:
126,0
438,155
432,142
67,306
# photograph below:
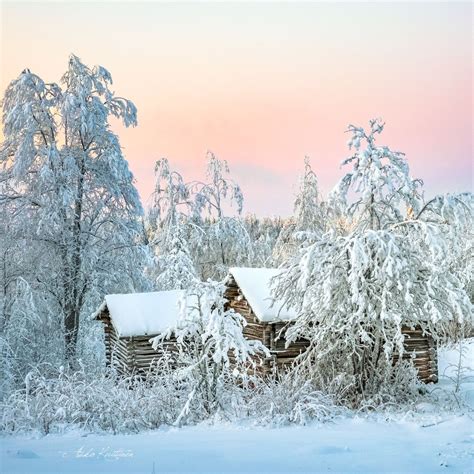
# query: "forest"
374,256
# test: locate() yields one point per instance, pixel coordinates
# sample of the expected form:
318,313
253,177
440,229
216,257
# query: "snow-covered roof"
255,284
143,314
149,314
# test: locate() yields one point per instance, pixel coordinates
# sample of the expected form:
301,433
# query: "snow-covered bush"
32,335
56,399
211,347
458,366
289,398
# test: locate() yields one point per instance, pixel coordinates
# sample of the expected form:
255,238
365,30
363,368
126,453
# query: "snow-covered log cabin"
249,293
130,321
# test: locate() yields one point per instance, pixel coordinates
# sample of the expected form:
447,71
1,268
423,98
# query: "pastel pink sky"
264,84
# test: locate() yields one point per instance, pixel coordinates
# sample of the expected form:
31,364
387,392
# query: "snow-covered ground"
348,446
425,443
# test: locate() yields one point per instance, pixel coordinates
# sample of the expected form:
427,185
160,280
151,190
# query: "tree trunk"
73,307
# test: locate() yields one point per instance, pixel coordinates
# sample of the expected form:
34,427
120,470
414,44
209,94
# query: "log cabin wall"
144,356
131,355
421,350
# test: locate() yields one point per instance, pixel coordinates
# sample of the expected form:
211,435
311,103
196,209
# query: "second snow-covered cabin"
130,321
249,293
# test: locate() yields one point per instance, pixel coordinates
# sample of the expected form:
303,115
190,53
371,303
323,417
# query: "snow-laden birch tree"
171,199
226,240
67,189
169,229
355,292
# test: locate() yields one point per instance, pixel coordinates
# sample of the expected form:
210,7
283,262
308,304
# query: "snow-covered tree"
211,343
379,179
174,265
226,240
32,336
169,229
218,191
310,219
170,199
355,292
13,264
264,235
450,239
308,207
67,189
196,212
452,215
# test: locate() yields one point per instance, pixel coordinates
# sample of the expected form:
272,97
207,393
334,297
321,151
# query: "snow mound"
256,285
